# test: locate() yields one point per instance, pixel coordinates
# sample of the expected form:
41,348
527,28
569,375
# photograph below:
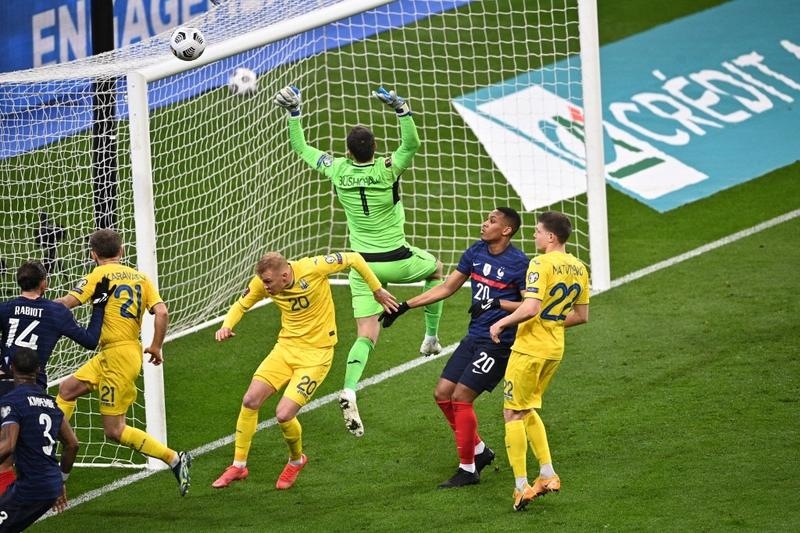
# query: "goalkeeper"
369,191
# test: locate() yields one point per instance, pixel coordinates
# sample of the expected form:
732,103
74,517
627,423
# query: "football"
243,82
187,43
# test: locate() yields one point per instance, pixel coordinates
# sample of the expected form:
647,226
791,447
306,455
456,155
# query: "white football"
243,82
187,43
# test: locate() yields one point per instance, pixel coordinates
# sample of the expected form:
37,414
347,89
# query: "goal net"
201,182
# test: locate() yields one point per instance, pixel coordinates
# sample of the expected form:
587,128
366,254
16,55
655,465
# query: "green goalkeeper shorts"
416,268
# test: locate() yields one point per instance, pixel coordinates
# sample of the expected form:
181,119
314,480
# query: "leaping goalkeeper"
368,190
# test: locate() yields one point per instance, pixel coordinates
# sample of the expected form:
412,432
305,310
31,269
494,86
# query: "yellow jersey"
133,294
308,317
560,281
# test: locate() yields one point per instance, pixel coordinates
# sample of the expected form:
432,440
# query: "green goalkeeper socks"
433,312
356,361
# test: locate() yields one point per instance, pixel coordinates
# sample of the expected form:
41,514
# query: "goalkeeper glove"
391,99
102,292
479,307
388,318
289,99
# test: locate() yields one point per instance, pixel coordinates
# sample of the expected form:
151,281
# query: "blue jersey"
39,324
39,420
494,276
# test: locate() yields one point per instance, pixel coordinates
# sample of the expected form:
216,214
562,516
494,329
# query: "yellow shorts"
526,379
303,369
113,373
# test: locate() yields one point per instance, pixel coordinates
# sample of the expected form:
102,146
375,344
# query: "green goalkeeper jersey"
368,192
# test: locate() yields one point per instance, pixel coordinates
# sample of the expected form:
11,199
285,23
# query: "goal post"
505,95
595,165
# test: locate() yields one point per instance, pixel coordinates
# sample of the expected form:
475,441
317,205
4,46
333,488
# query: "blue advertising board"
690,108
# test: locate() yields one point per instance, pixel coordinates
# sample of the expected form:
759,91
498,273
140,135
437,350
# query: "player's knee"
284,414
440,396
251,402
114,433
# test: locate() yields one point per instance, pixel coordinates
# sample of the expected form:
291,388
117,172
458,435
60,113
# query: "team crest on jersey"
303,284
325,160
501,272
334,258
81,284
487,269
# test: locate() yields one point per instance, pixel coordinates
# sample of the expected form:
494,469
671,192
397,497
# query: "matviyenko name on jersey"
715,107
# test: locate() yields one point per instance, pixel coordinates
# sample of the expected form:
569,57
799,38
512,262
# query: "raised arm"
289,99
409,138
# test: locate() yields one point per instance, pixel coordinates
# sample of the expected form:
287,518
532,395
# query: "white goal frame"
141,169
143,66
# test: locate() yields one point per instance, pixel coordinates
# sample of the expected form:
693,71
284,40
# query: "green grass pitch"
675,408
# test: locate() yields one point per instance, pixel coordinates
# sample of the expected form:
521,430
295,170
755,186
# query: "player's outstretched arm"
387,318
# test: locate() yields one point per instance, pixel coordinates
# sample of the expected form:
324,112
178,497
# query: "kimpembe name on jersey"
39,401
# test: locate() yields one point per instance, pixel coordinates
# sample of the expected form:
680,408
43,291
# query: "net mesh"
226,185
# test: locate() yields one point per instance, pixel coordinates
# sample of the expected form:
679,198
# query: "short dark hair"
513,218
106,243
361,144
557,223
30,275
25,360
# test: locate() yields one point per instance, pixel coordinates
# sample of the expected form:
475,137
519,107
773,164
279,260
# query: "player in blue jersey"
30,426
32,321
496,270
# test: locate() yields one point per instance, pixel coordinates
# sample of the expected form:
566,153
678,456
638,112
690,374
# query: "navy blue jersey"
39,324
494,276
39,420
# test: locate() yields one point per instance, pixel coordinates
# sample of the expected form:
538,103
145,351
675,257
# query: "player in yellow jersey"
114,370
556,296
303,353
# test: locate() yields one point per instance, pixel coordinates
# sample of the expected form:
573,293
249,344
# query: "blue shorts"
477,363
16,515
